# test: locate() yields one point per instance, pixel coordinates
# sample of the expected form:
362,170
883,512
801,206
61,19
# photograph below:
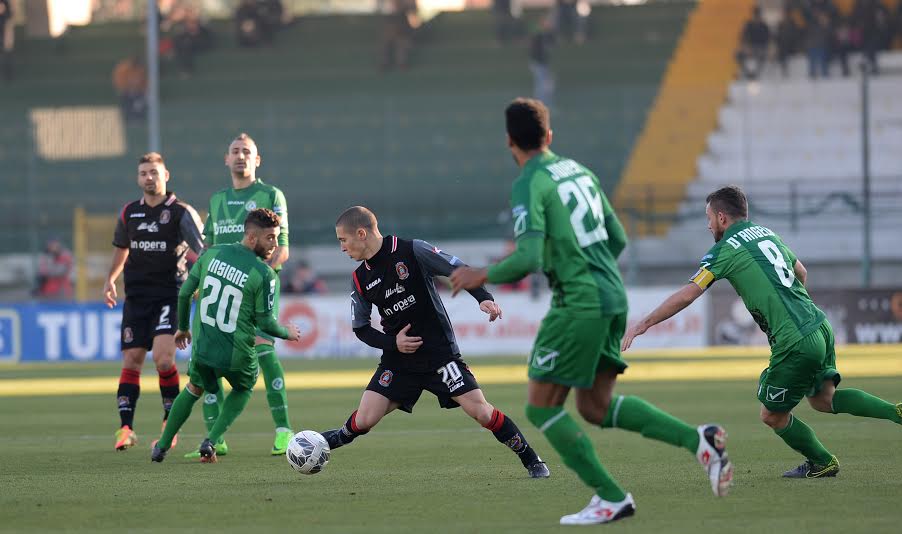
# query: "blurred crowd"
820,31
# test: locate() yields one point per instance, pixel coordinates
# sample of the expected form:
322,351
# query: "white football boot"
712,455
601,511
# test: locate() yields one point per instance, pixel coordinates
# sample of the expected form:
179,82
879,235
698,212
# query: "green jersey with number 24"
560,199
759,266
236,288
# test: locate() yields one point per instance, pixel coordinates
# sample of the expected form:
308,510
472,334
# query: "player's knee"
593,412
164,365
775,420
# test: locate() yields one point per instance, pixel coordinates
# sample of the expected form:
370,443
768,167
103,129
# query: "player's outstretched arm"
525,259
671,306
436,262
109,285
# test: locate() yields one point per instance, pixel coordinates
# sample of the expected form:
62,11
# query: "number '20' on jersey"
235,290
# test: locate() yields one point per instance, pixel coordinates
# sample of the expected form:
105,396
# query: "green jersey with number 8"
562,200
760,267
236,290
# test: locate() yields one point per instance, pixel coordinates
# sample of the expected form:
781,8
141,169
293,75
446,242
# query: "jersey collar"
389,246
538,160
735,228
170,200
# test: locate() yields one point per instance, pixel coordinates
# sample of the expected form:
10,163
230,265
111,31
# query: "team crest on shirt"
402,270
165,216
385,378
127,335
250,205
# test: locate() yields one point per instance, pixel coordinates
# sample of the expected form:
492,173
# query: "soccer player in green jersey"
225,224
564,224
770,279
237,292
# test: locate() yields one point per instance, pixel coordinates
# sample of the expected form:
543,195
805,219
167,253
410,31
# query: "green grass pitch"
434,471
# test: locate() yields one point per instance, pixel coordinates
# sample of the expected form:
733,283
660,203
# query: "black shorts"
450,380
144,318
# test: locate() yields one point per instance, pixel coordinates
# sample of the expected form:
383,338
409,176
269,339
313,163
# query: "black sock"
127,396
349,431
506,432
169,388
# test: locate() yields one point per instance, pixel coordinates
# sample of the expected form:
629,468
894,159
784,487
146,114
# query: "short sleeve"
266,294
120,234
280,207
190,230
713,266
527,207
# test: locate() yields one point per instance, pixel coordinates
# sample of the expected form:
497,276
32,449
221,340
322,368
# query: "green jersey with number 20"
560,199
759,266
236,291
229,207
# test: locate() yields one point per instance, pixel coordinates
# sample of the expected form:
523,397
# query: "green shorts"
570,350
206,377
275,311
799,370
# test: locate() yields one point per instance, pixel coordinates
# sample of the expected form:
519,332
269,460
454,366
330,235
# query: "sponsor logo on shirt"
151,227
402,270
519,213
165,216
397,290
250,206
235,203
401,305
136,215
149,246
227,228
373,284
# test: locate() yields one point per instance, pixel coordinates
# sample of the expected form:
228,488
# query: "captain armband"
703,278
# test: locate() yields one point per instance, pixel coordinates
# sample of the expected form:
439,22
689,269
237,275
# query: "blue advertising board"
59,332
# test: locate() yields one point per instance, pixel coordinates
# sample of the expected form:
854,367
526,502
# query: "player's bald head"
357,217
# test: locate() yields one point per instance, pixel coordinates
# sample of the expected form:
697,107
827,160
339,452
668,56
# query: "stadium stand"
424,147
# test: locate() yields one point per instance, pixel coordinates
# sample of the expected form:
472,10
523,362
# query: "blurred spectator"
188,35
752,54
7,39
818,38
55,272
397,33
304,281
787,40
873,21
505,23
539,63
843,43
130,83
566,20
257,21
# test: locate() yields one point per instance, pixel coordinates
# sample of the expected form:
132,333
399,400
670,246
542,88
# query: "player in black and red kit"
419,349
154,237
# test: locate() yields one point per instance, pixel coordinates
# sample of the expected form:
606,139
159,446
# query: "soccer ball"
308,452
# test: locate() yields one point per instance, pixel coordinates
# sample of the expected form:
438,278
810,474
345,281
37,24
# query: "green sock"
636,415
863,404
213,406
274,376
574,447
178,414
235,403
800,437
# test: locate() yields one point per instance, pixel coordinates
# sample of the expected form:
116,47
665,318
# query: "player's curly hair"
528,122
262,218
729,200
152,157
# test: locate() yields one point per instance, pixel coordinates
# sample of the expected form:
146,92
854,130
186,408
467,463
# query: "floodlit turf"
435,471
